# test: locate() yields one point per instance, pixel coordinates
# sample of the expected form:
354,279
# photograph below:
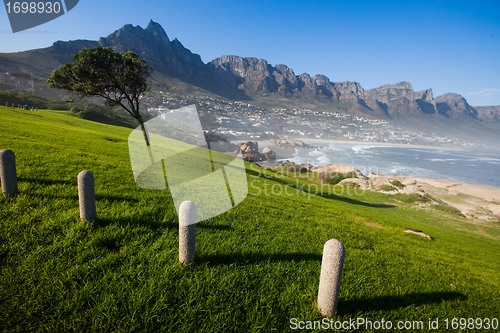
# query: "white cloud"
486,92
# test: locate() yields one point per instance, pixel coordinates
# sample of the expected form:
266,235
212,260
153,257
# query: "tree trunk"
146,138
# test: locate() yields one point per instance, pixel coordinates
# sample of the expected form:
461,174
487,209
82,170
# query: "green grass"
257,265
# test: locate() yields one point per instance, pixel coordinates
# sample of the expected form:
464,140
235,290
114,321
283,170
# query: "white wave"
317,153
443,159
323,160
361,149
397,170
483,159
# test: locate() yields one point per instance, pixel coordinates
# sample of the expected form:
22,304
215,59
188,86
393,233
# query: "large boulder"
269,154
249,147
363,183
250,152
293,167
284,143
337,168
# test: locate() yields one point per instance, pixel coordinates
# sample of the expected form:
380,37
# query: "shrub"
397,183
450,209
351,184
412,198
335,177
26,98
387,188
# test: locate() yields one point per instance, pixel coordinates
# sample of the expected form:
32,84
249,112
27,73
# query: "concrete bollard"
8,174
331,274
187,232
86,196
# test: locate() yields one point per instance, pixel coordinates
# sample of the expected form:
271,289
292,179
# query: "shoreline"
489,194
314,142
480,202
468,198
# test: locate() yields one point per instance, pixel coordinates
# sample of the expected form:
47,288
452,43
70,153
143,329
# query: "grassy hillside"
257,265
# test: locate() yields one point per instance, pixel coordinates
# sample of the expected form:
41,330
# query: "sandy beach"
469,198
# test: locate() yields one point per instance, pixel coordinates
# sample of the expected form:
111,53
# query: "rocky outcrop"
258,79
488,113
391,99
250,152
454,105
284,143
363,183
349,91
417,232
268,153
296,168
243,78
425,101
153,45
337,168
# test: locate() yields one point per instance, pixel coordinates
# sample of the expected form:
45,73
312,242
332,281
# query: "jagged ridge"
255,79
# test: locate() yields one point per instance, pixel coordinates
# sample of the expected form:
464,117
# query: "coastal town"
236,120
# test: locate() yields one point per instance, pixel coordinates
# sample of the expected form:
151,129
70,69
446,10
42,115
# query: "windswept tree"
120,78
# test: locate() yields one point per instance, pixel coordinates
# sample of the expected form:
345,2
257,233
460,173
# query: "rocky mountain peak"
398,98
156,29
425,95
255,79
425,101
455,105
153,45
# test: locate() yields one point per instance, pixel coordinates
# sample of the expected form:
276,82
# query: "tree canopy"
120,78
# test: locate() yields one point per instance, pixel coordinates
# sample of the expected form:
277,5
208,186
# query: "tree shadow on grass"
253,258
318,190
387,303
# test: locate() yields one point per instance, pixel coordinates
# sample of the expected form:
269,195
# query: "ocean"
473,167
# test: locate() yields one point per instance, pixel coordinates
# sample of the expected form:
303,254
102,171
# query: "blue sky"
449,46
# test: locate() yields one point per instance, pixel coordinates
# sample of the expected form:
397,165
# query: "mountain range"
177,69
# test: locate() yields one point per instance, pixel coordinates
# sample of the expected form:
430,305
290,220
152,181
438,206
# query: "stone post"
187,232
8,175
331,274
86,196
